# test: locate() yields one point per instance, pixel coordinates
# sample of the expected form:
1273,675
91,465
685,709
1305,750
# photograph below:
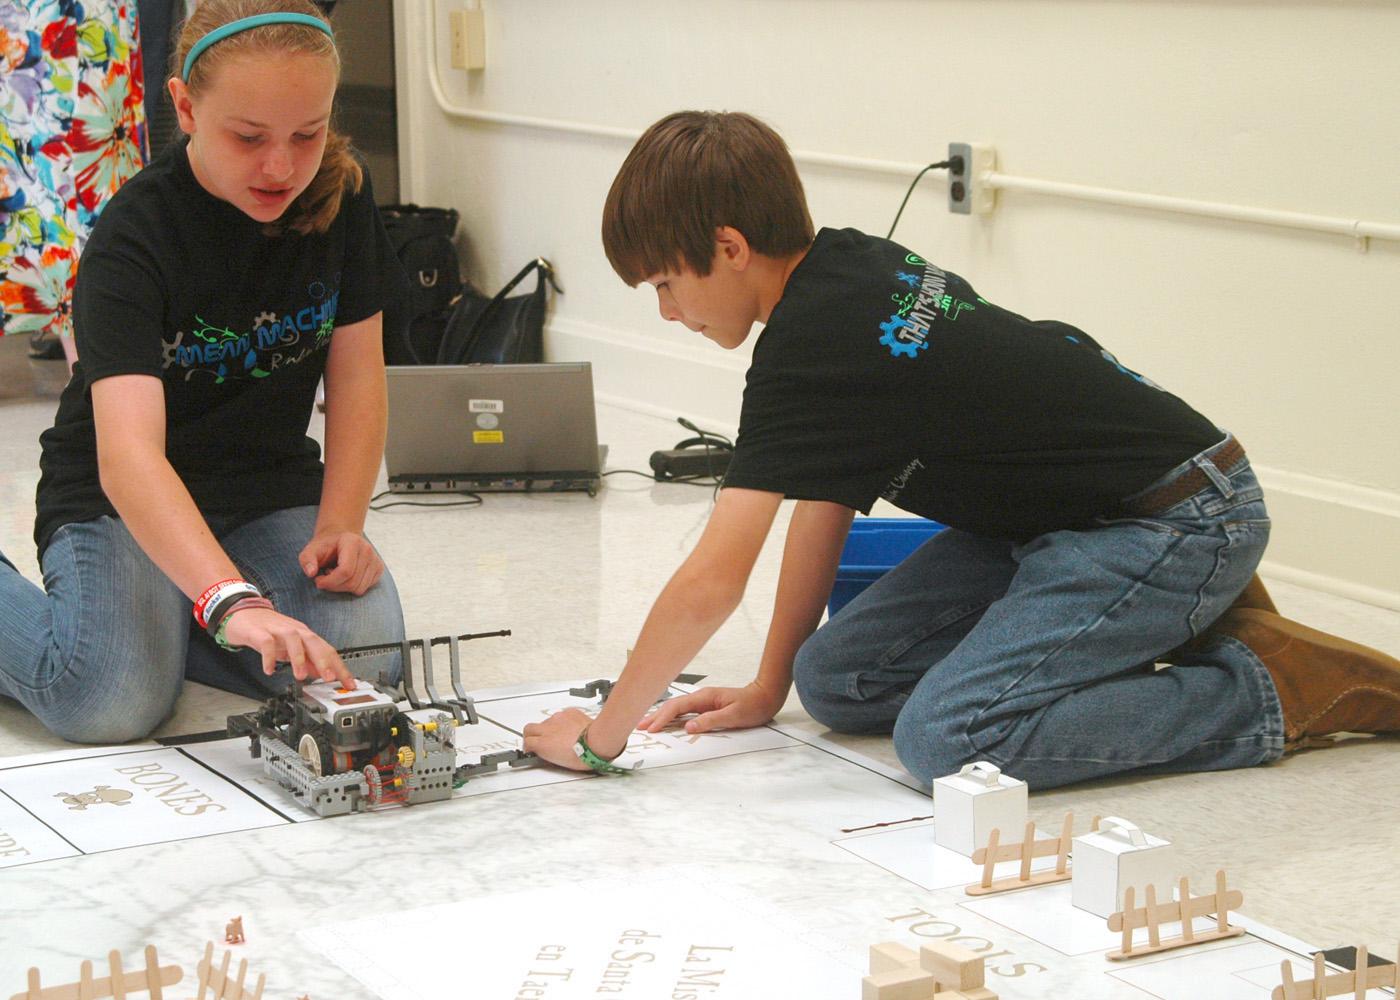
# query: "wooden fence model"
1357,983
1026,851
1186,909
150,981
218,979
118,983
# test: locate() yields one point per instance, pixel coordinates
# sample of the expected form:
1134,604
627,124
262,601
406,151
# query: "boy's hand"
342,561
554,738
718,708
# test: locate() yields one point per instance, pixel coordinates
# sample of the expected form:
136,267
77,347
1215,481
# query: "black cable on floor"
472,500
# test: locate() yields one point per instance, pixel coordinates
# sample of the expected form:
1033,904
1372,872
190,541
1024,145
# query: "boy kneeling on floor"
1097,525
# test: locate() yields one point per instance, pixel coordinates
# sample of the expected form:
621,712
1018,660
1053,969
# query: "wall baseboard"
1333,536
1329,535
1389,599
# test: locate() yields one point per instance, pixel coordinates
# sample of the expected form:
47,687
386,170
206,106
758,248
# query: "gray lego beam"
408,689
492,761
434,699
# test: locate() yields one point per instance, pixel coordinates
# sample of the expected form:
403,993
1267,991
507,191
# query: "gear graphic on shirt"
170,349
268,319
900,348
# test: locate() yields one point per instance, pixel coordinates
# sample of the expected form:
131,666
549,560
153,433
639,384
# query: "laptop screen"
504,427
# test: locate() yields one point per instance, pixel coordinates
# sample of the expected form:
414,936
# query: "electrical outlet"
968,191
468,39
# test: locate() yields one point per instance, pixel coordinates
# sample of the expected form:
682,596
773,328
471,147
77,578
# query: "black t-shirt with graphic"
181,285
881,375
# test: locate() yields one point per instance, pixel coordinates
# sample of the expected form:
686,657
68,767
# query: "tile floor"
1310,840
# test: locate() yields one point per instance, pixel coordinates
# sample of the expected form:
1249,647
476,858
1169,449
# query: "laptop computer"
492,428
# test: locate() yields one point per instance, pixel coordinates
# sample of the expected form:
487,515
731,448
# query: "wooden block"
898,984
888,955
981,993
955,967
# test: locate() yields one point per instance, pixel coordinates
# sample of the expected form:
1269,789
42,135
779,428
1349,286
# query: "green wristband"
594,762
222,639
242,604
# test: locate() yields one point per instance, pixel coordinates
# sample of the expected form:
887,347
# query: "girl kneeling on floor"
219,286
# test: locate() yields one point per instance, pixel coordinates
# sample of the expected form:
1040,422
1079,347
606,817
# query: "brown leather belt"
1188,484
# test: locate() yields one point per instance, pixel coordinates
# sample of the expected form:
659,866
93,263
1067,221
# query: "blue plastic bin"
874,547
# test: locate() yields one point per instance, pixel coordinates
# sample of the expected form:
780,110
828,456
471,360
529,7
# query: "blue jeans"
100,654
1042,658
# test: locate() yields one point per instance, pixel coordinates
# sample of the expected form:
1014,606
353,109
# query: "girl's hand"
718,708
342,561
279,638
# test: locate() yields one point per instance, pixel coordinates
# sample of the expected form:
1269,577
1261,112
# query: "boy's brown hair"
691,173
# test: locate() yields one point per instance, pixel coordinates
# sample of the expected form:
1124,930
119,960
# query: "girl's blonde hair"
315,208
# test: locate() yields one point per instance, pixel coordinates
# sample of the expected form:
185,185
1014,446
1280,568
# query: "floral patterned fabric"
72,131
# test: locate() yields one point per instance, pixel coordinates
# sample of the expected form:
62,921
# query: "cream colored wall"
1291,339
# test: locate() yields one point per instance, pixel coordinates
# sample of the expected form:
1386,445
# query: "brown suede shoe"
1255,596
1325,684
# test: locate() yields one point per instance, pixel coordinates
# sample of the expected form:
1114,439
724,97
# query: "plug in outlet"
468,38
968,192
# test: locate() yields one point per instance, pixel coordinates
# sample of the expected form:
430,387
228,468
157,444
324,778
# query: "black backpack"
503,329
416,317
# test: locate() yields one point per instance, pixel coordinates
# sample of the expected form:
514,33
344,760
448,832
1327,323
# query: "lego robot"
340,749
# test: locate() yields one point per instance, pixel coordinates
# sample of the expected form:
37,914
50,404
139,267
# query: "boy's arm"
815,538
692,606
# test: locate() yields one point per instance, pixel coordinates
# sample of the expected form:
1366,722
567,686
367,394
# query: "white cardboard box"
1117,855
968,805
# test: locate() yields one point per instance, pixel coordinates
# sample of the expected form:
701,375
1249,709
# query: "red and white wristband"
225,592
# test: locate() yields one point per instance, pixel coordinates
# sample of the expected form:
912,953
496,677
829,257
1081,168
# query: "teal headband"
243,24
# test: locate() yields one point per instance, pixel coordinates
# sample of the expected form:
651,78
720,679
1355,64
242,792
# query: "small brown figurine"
233,933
